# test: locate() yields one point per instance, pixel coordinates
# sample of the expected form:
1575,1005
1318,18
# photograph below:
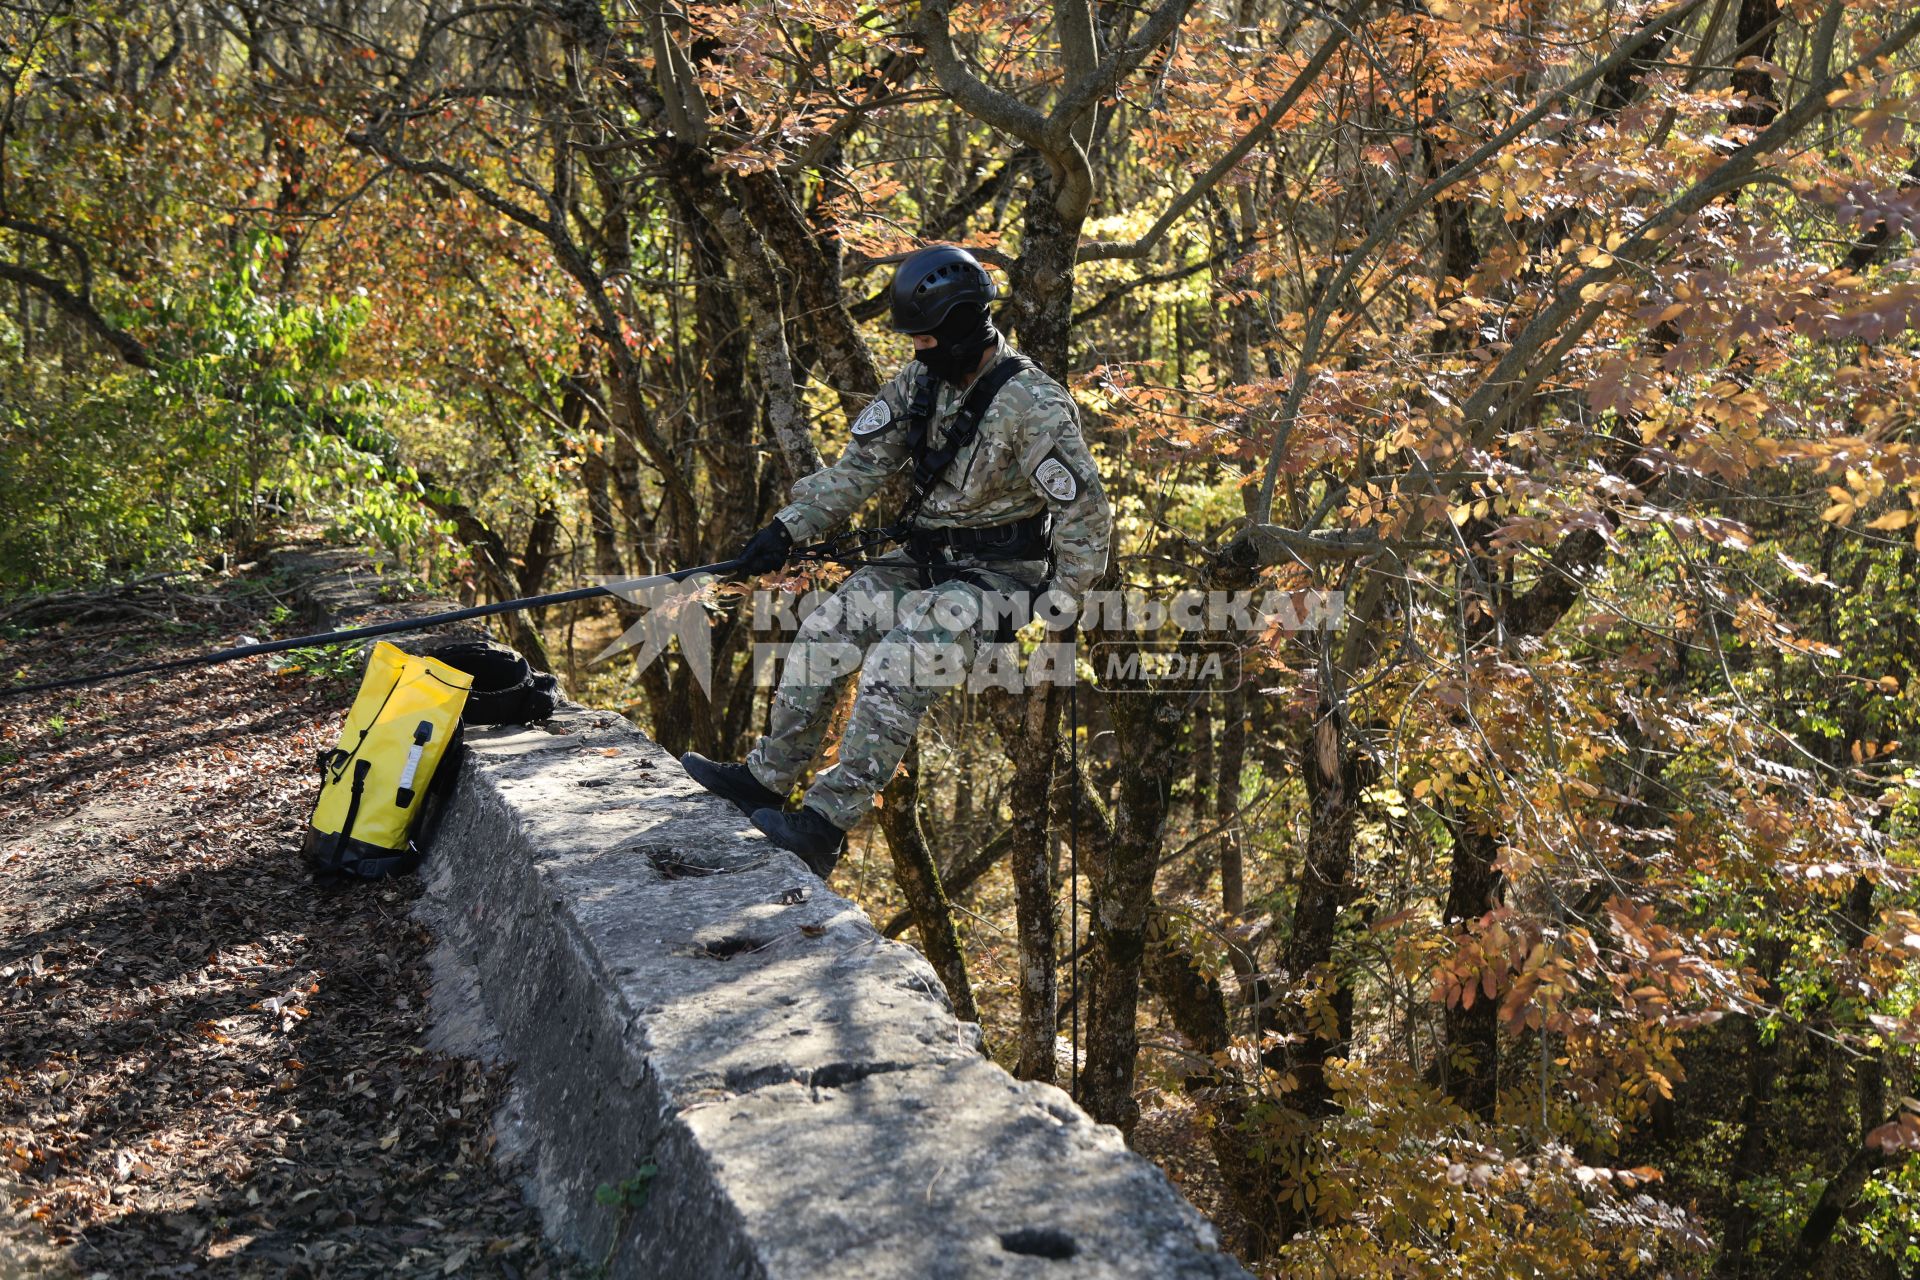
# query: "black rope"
368,632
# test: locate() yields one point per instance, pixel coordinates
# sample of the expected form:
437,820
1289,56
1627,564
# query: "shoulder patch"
875,417
1057,478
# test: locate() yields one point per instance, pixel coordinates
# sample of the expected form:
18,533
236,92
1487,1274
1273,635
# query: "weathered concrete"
679,994
339,587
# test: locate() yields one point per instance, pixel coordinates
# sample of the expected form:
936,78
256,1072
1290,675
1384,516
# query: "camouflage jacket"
1028,457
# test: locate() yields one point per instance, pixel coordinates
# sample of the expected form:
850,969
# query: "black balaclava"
963,336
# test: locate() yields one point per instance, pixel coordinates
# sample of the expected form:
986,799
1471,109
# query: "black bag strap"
336,762
353,799
929,464
433,806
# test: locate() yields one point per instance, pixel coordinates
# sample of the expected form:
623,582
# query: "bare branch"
1277,544
1001,110
1098,308
1739,169
1389,221
1080,58
1080,95
131,349
1221,168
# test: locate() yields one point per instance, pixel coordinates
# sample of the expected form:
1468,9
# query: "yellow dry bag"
378,800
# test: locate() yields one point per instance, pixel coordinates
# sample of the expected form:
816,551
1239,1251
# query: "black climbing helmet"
931,282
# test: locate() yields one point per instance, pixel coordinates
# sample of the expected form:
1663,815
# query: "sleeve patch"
875,417
1057,478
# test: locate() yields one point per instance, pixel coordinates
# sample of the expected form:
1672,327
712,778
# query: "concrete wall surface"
729,1052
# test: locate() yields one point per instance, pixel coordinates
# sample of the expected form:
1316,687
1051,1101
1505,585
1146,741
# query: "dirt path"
208,1065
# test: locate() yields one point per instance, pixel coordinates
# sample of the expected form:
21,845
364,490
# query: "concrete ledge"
339,587
677,993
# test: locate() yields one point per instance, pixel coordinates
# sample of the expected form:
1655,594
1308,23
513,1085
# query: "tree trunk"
919,880
1036,905
1749,1156
1198,1008
1470,1057
596,477
1333,786
1333,783
1231,760
1121,891
1840,1194
495,567
962,875
1041,305
1205,767
1753,38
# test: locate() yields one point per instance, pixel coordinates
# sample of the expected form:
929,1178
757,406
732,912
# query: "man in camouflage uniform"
1022,491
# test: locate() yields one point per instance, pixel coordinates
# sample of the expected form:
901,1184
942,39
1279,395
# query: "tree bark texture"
919,880
1120,887
1036,904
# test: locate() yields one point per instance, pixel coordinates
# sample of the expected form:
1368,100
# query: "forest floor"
209,1065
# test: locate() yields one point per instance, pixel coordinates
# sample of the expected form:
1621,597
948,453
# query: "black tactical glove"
766,550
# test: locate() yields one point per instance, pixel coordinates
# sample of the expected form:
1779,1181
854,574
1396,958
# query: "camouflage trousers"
909,643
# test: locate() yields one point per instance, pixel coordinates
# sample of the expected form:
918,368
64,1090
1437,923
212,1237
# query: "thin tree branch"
131,349
1389,221
1001,110
1099,249
1103,79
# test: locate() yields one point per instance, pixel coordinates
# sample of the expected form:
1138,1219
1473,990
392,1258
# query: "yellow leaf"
1839,513
1892,520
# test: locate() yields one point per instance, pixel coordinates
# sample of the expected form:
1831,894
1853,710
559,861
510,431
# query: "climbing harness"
1025,539
931,549
506,688
930,464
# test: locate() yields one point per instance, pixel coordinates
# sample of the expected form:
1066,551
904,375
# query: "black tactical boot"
807,833
733,782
